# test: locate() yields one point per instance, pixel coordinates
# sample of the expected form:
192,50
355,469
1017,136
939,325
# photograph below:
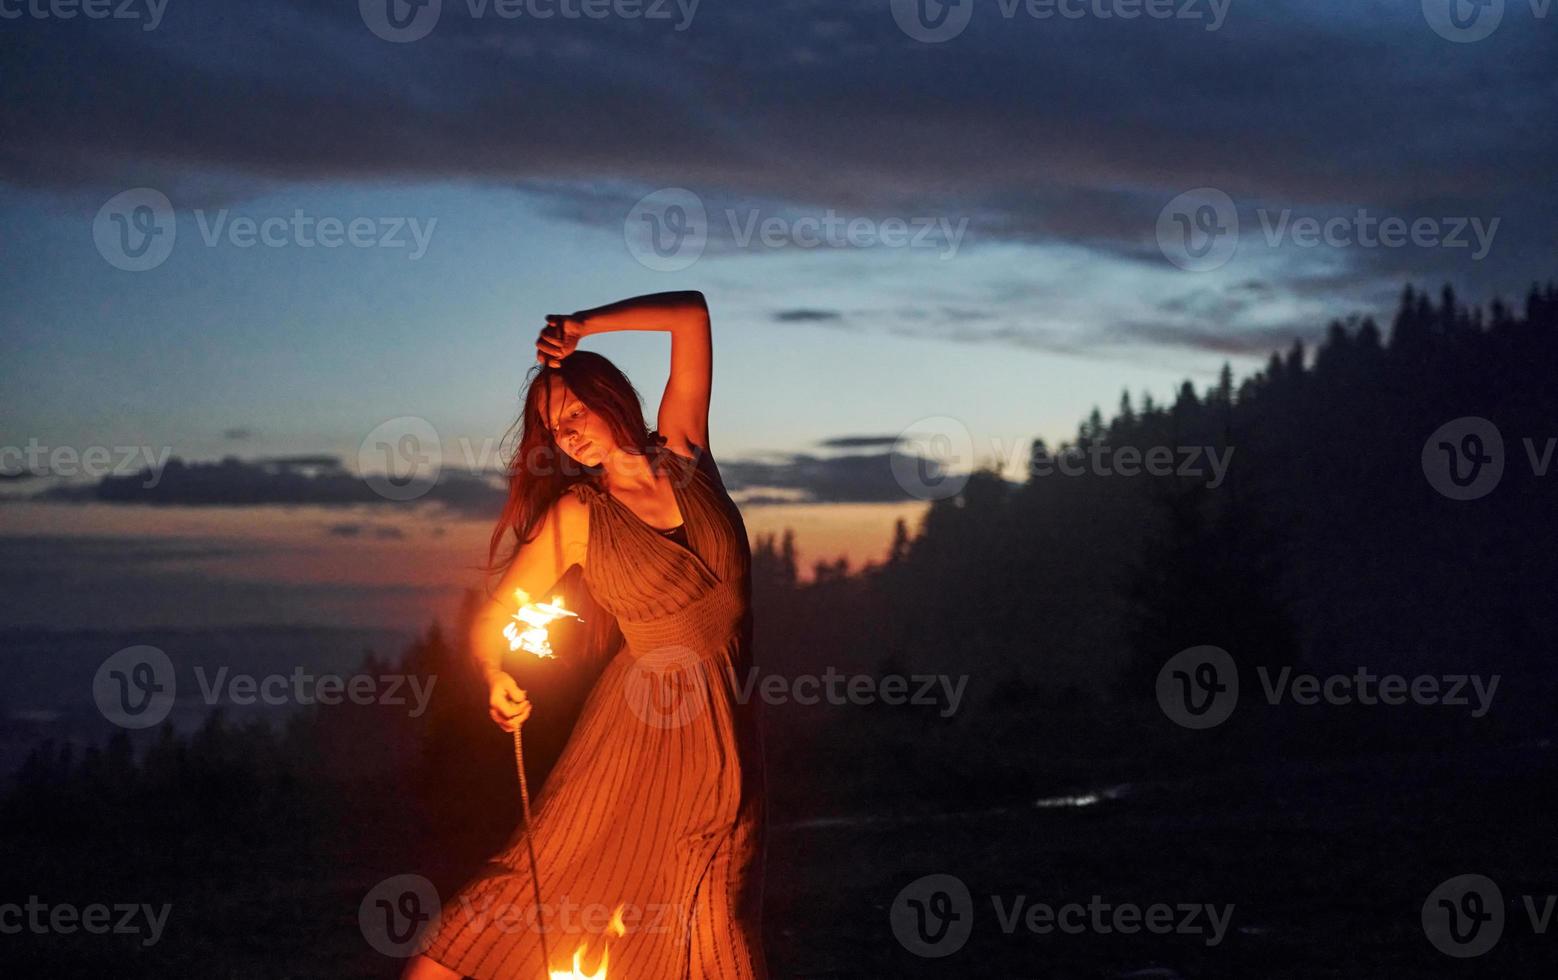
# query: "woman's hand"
507,704
558,339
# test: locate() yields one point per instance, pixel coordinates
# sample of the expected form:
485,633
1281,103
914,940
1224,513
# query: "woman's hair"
539,470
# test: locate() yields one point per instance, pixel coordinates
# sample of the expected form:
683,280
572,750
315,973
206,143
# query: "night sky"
1009,180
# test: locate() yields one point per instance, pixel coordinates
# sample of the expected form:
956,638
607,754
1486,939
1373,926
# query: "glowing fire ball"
528,631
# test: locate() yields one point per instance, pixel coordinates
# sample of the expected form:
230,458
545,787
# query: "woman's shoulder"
572,508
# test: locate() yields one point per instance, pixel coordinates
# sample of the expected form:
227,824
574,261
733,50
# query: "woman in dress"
649,832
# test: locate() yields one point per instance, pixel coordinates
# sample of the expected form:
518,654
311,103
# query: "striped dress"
649,833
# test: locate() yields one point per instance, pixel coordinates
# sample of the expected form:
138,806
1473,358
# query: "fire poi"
528,632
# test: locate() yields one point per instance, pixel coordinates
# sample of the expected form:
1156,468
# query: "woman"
652,820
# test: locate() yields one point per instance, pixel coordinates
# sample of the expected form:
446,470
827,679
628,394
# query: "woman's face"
578,431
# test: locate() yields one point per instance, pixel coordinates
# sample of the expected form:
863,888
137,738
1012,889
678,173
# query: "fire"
528,631
614,928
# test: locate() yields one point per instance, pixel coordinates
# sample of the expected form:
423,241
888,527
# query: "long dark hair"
539,471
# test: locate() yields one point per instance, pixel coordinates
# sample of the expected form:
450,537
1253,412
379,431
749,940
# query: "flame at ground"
528,631
614,928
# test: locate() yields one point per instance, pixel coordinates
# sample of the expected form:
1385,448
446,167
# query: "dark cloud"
294,480
857,442
1246,341
1074,132
239,434
382,532
804,478
52,555
808,316
234,482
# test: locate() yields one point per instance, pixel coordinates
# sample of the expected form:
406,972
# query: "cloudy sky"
264,228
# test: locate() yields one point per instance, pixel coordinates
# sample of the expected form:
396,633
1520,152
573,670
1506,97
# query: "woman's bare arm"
560,544
684,408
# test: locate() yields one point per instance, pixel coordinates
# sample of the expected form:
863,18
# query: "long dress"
657,805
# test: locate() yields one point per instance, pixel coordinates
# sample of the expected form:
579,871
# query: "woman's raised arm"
684,408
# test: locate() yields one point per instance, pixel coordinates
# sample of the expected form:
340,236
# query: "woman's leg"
424,968
727,919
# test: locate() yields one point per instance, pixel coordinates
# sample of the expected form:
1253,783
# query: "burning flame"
528,631
614,928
